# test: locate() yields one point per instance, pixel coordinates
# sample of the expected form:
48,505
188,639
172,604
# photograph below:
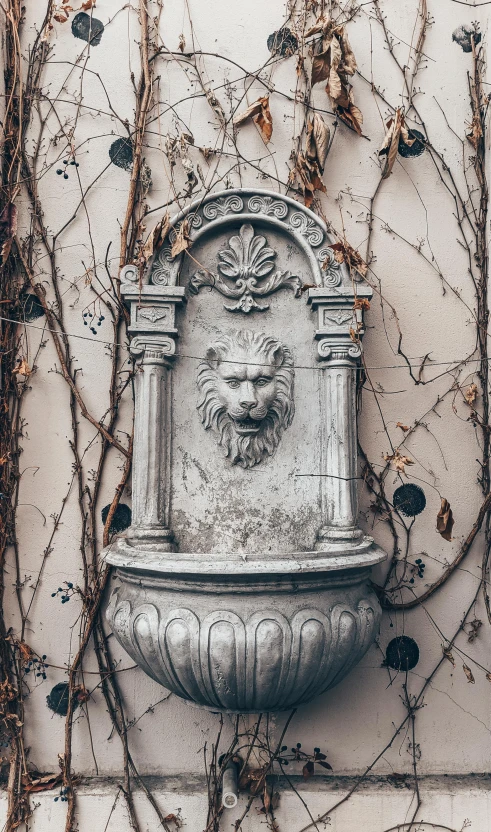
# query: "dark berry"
59,171
65,176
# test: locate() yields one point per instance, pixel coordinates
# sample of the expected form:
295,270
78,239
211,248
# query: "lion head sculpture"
245,390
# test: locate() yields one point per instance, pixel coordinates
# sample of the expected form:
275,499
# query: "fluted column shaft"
153,313
339,351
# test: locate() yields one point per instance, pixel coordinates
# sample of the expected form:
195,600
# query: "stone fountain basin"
245,633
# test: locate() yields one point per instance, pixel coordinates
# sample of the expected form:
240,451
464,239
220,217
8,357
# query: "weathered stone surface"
244,575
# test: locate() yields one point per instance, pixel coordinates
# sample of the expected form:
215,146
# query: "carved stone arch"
264,209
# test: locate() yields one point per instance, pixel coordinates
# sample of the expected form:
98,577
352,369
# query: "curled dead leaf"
448,655
334,61
470,394
8,229
216,106
475,134
402,427
344,253
308,770
308,176
390,143
399,460
182,42
444,520
89,4
361,303
41,784
469,674
23,369
156,238
261,115
182,239
317,142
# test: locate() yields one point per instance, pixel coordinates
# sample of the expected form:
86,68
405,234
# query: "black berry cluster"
63,171
37,666
66,593
90,318
62,796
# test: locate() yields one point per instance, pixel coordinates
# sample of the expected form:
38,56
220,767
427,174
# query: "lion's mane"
249,450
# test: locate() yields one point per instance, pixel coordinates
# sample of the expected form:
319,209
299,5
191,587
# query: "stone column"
153,310
339,335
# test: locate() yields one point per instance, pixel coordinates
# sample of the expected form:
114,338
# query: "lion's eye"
261,382
232,382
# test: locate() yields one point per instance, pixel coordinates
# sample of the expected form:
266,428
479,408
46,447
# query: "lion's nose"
248,396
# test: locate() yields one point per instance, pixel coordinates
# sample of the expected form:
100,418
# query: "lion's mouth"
247,425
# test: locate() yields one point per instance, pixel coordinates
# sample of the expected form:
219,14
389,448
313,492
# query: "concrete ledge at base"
377,805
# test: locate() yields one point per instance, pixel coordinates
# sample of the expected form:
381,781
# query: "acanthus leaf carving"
245,264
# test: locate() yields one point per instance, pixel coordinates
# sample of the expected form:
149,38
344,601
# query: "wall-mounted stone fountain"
243,580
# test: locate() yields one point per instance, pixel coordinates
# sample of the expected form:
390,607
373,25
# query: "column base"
160,538
334,534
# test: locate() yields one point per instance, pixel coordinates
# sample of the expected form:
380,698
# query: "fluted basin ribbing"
245,633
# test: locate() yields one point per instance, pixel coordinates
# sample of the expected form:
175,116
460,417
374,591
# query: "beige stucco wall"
353,722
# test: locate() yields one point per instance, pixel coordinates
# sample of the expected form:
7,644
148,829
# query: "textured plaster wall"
353,722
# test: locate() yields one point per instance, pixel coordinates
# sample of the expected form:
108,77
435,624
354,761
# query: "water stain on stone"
121,154
87,28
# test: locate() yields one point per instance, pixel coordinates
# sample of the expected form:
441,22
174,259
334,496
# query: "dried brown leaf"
61,16
390,143
321,26
308,770
361,303
41,784
475,134
448,655
444,520
89,4
182,42
264,120
216,106
402,427
349,64
399,460
344,253
351,115
308,175
470,394
22,369
260,113
317,142
156,238
468,673
182,239
8,229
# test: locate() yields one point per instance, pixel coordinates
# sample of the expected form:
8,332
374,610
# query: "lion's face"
246,394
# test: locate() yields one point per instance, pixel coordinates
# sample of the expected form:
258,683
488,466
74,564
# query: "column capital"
340,322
